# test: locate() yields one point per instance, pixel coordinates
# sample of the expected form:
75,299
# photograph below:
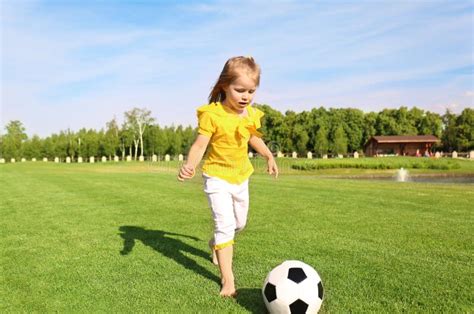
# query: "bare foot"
228,289
215,261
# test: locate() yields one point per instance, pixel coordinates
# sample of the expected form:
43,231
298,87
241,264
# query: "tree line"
320,130
342,131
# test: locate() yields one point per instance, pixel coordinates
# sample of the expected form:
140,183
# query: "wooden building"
403,145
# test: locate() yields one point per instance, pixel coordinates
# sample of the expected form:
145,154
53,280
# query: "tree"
449,131
32,147
318,119
299,138
406,123
340,141
386,124
161,141
430,124
1,146
90,143
138,120
80,137
275,130
126,140
47,149
286,131
13,140
174,139
368,129
354,128
465,130
72,144
132,134
189,134
321,145
60,144
111,138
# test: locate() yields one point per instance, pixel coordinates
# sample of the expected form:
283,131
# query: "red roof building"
401,145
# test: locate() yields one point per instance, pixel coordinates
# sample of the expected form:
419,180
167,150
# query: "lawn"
130,238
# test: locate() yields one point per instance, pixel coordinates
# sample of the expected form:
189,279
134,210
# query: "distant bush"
378,163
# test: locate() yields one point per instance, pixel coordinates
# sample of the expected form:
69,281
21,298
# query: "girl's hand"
272,167
186,172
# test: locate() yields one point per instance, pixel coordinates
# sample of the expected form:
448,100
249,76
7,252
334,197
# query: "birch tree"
138,119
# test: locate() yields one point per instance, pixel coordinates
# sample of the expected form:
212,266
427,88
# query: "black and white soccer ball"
293,287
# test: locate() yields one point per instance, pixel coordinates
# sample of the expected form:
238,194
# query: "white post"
325,156
141,159
79,159
23,160
294,155
340,156
68,160
471,154
56,159
92,159
129,158
116,158
455,154
45,159
310,155
154,158
12,160
2,161
104,159
167,157
180,157
33,159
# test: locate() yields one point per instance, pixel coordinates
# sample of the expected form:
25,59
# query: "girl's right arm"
194,157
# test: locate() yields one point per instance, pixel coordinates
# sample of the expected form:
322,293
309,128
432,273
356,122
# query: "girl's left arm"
259,145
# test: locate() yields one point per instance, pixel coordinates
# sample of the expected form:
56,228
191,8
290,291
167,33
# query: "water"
441,179
402,175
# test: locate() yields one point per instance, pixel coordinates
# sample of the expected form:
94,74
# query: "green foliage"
379,163
339,141
111,138
465,130
321,145
299,139
458,131
32,147
13,140
322,131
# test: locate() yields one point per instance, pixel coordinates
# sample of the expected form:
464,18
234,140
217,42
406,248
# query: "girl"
228,124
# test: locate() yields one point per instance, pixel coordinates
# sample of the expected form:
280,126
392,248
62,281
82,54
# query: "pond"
465,179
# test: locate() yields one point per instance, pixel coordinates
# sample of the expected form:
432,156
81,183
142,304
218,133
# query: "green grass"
130,238
380,163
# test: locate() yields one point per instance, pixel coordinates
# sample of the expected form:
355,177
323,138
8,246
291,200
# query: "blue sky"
73,64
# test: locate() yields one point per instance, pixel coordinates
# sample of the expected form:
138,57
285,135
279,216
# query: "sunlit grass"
130,238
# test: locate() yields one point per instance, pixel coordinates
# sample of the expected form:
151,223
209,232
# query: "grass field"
130,238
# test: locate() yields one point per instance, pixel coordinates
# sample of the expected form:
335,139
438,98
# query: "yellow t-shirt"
227,156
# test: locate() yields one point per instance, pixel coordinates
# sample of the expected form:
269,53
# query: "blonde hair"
230,73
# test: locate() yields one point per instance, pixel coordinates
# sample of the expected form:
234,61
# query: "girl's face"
239,94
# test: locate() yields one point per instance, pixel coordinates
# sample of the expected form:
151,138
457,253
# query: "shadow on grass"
251,299
164,243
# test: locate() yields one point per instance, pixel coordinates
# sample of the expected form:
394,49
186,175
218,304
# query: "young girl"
228,124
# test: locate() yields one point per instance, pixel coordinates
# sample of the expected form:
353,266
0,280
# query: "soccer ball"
293,287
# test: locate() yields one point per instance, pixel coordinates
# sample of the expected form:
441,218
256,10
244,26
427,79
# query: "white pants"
229,205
